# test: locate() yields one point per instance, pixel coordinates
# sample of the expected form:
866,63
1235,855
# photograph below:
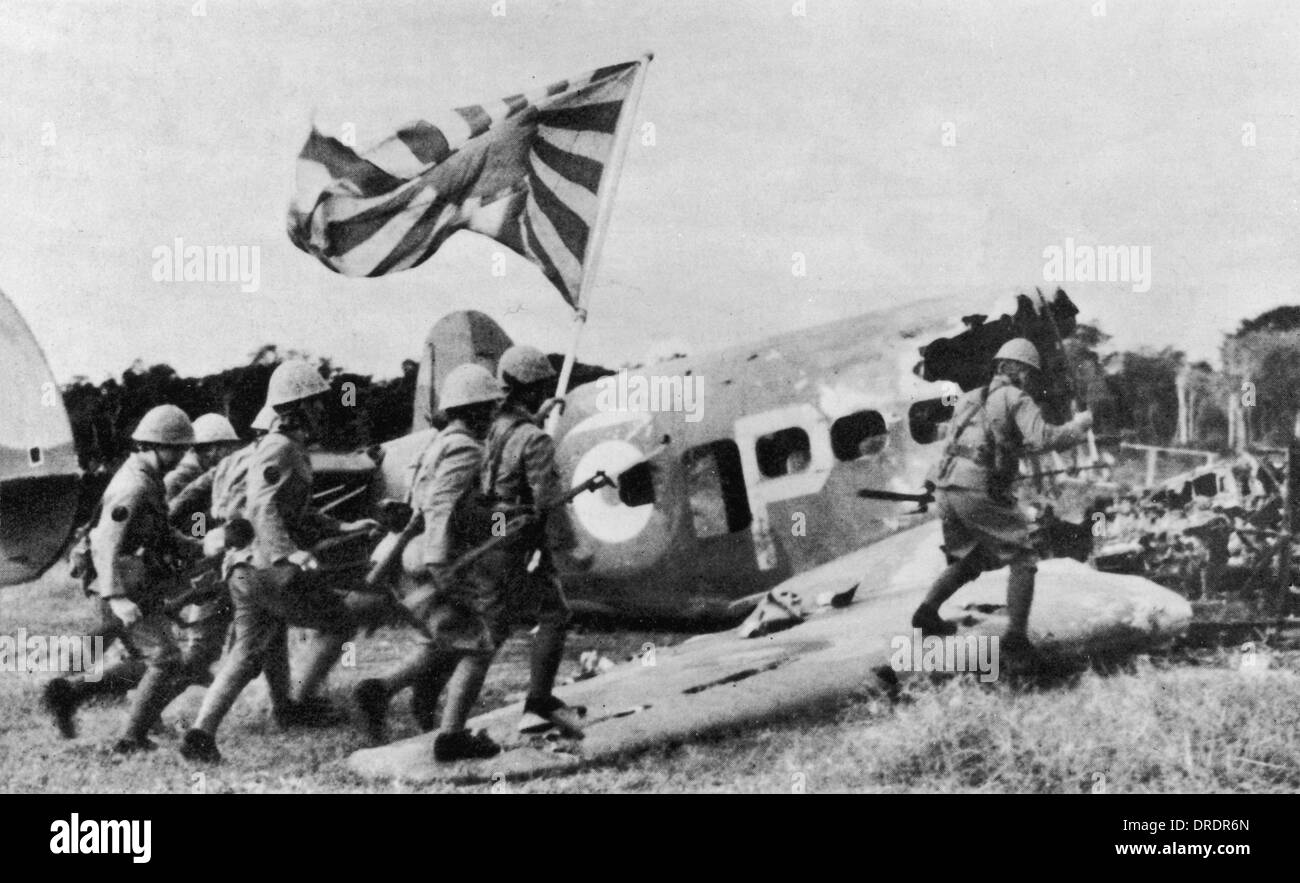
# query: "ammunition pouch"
473,517
479,513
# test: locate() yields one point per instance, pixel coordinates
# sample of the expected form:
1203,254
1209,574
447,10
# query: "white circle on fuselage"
601,513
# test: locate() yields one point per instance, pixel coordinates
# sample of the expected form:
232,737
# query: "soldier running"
213,436
134,551
190,492
277,580
982,527
207,505
455,644
518,583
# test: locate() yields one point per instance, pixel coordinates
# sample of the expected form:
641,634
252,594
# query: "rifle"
411,521
922,501
529,520
203,575
1073,381
414,526
204,579
1072,470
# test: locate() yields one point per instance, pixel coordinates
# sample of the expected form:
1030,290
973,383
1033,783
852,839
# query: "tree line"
1159,396
362,411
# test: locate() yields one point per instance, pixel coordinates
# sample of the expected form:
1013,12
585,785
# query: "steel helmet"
165,425
1020,350
468,384
212,429
525,364
293,382
262,422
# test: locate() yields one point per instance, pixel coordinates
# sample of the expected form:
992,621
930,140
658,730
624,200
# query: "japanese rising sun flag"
525,170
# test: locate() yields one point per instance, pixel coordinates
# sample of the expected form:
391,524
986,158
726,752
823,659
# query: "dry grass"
1155,727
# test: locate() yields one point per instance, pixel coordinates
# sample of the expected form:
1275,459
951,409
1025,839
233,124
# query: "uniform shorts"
204,631
452,619
308,599
508,595
973,523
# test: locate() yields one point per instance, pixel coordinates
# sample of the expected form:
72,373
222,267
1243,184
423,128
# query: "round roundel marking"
601,513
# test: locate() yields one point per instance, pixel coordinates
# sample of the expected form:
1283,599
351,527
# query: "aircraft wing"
722,680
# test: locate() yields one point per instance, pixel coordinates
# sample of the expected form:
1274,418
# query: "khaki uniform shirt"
526,473
133,533
279,500
230,484
1011,420
443,471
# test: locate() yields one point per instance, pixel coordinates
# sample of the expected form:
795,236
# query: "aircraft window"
715,486
923,420
860,434
786,452
1206,485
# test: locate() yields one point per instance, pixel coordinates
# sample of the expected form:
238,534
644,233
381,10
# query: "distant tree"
1088,378
1207,392
1277,319
1089,336
1262,361
1144,383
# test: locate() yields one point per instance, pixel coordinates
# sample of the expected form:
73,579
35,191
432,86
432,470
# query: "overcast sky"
905,150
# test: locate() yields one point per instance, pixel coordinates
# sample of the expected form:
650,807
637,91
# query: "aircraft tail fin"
456,338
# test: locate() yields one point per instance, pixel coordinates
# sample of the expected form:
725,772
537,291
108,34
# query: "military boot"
60,700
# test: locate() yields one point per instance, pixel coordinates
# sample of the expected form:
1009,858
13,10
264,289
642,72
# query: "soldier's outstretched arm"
1039,435
194,497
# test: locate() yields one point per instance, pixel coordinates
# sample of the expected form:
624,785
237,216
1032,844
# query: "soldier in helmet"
213,439
455,644
131,545
203,508
276,581
518,583
982,527
189,485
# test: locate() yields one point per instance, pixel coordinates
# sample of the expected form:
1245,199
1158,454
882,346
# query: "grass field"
1195,724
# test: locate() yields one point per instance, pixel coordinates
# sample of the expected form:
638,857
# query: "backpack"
476,512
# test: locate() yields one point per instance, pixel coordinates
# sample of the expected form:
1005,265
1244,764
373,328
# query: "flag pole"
605,201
